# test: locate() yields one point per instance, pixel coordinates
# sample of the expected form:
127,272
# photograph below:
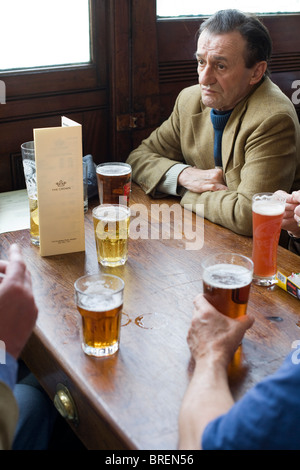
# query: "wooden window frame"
44,81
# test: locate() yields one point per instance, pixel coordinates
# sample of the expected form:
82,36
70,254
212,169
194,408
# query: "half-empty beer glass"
111,229
267,215
114,182
99,300
226,282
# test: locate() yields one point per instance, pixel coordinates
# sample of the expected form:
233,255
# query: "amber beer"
34,221
267,215
114,182
111,229
99,300
226,285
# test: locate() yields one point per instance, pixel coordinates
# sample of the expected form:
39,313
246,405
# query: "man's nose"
206,76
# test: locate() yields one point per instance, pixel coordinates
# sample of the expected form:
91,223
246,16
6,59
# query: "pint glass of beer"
267,215
28,158
111,229
226,282
99,300
114,183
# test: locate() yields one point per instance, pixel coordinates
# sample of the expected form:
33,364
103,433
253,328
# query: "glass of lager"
99,300
28,158
114,182
111,229
226,282
267,215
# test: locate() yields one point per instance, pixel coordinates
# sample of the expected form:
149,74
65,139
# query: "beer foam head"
99,297
113,170
111,213
227,276
268,208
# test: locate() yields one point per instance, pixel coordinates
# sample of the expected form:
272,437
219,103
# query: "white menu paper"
58,156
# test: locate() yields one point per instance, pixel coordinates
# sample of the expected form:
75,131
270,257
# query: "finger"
296,196
212,187
203,306
290,207
3,265
246,320
16,267
283,194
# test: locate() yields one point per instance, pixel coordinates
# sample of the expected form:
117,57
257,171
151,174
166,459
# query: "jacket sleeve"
8,416
157,154
267,162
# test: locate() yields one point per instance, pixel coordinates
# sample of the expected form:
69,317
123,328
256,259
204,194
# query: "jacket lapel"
230,132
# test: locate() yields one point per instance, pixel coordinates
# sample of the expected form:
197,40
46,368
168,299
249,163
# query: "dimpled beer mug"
226,282
28,158
267,215
111,229
114,182
99,300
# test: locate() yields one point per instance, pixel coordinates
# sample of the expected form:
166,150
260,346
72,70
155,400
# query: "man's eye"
221,66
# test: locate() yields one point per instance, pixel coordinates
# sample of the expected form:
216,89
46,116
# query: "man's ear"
259,70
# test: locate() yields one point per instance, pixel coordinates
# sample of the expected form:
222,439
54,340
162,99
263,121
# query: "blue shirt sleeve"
8,371
266,418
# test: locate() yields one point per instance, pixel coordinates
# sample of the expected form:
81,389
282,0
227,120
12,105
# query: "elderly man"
233,136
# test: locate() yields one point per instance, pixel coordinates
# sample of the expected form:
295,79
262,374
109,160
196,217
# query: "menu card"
58,156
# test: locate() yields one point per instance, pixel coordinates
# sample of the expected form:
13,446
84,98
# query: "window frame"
61,79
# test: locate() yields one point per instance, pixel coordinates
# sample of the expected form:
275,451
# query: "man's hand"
213,334
291,216
199,181
18,311
213,338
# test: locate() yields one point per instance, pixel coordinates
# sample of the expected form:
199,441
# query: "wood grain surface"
132,399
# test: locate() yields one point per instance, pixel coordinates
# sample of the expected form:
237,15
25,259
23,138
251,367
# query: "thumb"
247,321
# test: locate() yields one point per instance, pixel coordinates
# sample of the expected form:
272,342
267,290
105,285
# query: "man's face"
223,76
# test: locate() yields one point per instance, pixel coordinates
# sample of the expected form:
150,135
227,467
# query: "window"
169,8
37,33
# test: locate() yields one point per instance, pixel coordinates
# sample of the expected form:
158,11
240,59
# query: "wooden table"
132,399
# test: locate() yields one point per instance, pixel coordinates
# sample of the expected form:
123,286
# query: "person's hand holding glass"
291,216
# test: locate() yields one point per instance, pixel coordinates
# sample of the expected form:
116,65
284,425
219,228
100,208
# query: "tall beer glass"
226,282
28,158
99,300
111,229
267,215
114,183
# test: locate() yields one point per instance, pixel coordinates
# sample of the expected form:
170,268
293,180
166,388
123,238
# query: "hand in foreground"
291,216
18,311
199,181
214,336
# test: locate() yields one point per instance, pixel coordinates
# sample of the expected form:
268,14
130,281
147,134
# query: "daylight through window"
37,33
169,8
